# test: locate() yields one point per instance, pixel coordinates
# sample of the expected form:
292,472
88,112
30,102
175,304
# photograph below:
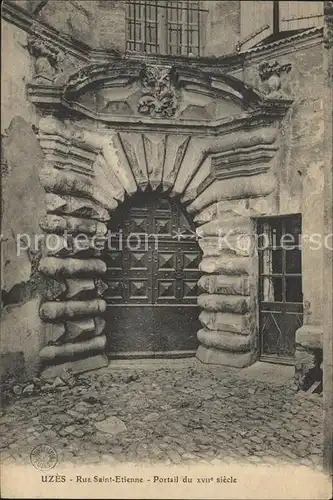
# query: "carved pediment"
134,90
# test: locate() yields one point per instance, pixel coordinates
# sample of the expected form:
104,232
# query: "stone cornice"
164,83
50,98
227,62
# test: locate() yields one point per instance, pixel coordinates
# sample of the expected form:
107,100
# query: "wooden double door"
152,262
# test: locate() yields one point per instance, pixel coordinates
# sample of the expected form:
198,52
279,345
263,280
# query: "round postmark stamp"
43,457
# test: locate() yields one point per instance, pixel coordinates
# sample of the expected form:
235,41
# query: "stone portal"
210,147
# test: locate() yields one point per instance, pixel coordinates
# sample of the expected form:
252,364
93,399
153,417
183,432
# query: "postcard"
166,249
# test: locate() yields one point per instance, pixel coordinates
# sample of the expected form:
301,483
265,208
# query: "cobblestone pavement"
169,415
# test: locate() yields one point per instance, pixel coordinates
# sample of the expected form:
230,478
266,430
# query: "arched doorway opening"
152,259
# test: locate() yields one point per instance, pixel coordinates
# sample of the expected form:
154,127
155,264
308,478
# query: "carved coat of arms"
159,96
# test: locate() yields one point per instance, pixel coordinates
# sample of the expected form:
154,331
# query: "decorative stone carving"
270,74
50,61
46,58
159,94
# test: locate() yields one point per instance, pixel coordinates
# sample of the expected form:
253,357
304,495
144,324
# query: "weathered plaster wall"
22,201
100,24
16,71
74,18
222,27
301,156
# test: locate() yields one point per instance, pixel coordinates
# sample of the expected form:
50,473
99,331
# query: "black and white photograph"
166,249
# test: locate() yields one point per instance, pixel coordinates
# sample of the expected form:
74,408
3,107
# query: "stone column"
74,227
245,175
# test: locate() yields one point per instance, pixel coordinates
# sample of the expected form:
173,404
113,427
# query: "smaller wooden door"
280,286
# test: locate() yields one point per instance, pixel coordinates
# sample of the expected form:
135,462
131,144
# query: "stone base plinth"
308,356
310,336
210,355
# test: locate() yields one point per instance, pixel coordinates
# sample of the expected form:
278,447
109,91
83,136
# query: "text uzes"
55,478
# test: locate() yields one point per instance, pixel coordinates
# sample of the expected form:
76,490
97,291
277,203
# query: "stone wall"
300,172
14,100
222,28
22,202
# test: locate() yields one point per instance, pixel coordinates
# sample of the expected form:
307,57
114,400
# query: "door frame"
296,308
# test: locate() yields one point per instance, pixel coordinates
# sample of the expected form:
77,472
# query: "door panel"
280,287
152,275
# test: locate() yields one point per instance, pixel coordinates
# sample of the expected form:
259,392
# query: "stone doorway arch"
152,258
109,134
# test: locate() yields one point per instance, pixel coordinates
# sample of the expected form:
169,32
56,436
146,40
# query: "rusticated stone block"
228,244
101,287
226,322
237,188
224,303
54,289
56,224
117,161
57,245
155,153
227,285
78,329
82,329
134,149
210,246
226,226
201,179
52,311
99,325
50,353
210,355
77,366
65,182
80,289
225,265
225,340
54,331
53,223
176,147
206,215
103,197
76,225
54,202
107,183
194,153
73,205
67,268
